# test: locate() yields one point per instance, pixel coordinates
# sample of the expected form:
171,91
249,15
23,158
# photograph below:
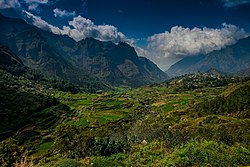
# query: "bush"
107,146
70,141
103,162
150,154
10,152
114,160
208,153
68,163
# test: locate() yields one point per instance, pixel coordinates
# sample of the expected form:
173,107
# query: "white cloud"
164,49
40,23
141,51
81,28
233,3
9,4
181,42
33,4
63,13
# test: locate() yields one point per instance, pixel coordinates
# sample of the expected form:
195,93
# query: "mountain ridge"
228,60
61,56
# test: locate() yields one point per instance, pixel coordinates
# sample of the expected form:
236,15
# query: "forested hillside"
194,120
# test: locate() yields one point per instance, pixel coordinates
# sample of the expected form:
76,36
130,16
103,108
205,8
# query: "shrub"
68,163
102,162
150,154
70,141
10,152
204,153
107,146
114,160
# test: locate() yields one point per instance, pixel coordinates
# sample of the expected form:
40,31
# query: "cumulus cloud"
80,28
181,42
83,28
40,23
164,49
63,13
33,4
4,4
233,3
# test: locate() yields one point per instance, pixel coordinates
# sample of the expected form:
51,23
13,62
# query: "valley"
107,83
164,124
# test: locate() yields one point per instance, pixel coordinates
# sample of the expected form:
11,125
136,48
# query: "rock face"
115,63
228,60
63,57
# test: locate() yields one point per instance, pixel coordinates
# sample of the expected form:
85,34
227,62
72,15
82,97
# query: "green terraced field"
156,125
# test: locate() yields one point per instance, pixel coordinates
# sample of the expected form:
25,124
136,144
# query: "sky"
164,31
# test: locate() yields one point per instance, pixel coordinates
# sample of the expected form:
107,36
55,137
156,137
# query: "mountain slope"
60,56
28,43
154,125
229,60
181,66
7,58
118,64
243,73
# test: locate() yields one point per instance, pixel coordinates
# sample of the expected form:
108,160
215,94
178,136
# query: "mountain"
214,71
180,67
20,96
11,63
228,60
115,63
8,58
243,73
88,59
28,43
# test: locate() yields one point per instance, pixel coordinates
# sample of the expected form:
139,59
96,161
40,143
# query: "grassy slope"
149,126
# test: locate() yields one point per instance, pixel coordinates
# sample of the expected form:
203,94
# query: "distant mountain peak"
227,60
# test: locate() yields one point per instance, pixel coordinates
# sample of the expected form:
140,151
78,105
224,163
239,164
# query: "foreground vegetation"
194,120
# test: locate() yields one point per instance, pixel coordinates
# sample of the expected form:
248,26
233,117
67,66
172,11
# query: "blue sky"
162,30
